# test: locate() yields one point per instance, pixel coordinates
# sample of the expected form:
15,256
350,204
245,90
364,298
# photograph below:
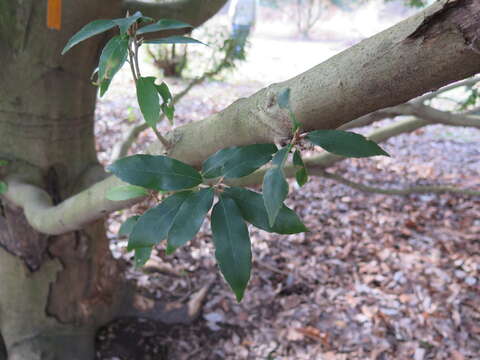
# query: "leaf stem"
131,60
296,137
162,139
137,67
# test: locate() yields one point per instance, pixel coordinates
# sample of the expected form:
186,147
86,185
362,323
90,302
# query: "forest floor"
378,277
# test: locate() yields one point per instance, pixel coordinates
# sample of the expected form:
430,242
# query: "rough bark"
55,290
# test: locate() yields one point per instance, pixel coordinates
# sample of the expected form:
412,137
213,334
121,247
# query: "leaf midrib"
227,222
172,172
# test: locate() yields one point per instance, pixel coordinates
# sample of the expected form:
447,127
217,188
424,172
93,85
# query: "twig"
121,149
467,82
131,61
271,268
436,189
421,111
137,67
160,137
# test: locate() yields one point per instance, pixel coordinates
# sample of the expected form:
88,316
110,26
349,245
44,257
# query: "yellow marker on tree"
54,14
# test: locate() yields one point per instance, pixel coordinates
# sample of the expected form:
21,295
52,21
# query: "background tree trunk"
55,290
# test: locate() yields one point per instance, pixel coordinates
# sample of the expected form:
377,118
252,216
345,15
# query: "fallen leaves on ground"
379,277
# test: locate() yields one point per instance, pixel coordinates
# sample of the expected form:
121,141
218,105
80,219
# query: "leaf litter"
378,277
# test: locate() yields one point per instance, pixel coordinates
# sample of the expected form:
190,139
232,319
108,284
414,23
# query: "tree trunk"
55,290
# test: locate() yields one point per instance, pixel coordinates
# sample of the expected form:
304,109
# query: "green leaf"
125,23
163,24
232,245
275,187
283,98
153,226
104,85
148,100
471,100
297,159
3,162
167,107
146,19
345,143
126,192
301,175
128,225
164,92
169,111
175,40
237,161
189,217
253,210
156,172
89,30
3,187
142,255
281,156
170,249
113,56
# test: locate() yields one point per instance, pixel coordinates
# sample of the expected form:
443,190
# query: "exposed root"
176,312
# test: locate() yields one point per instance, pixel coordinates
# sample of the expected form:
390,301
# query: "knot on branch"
276,120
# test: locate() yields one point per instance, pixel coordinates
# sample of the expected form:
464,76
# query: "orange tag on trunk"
54,14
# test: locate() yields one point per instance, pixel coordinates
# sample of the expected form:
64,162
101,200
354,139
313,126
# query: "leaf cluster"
179,217
191,194
123,48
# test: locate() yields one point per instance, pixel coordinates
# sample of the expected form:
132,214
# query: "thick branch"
71,214
326,159
131,134
385,70
66,216
424,52
192,12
